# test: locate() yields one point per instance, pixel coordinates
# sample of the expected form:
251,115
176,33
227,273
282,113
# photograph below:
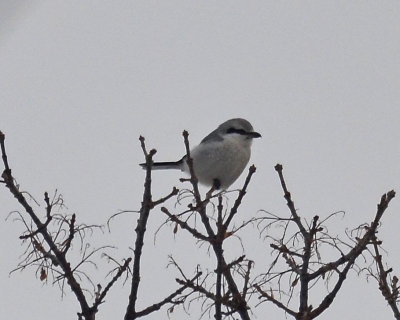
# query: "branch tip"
391,194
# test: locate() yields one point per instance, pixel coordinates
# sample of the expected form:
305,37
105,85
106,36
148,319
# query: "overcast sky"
81,80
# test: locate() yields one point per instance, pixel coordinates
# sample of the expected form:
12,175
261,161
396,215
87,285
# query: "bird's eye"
238,131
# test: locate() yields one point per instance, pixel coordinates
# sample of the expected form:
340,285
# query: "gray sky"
80,81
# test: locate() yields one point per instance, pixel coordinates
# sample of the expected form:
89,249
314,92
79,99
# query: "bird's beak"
253,135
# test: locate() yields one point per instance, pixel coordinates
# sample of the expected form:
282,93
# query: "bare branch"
239,199
169,299
276,302
174,192
185,225
102,295
140,230
290,203
390,292
58,255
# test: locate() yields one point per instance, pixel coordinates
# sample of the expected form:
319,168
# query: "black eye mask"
239,131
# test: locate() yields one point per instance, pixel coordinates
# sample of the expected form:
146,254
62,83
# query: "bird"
221,156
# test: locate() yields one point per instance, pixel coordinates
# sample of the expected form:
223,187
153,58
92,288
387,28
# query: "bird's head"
239,129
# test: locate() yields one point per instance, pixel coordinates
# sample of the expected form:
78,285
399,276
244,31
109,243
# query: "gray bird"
220,157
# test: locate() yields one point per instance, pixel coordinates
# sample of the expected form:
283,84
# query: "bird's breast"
223,160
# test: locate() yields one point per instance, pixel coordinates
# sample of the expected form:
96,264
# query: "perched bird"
220,157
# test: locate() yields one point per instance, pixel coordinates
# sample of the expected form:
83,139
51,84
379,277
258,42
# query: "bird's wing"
213,136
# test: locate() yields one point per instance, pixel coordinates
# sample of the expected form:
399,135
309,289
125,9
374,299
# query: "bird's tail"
165,165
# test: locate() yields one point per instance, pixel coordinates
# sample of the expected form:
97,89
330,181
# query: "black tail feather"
165,165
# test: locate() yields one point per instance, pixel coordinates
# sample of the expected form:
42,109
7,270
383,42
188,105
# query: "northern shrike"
220,157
